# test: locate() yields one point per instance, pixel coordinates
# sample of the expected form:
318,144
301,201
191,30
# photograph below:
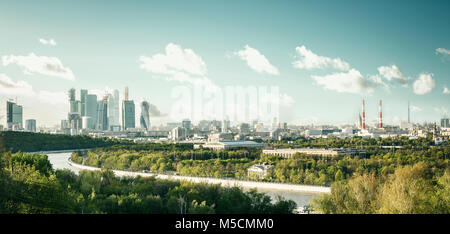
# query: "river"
60,161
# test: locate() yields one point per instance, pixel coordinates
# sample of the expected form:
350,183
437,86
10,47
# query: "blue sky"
101,43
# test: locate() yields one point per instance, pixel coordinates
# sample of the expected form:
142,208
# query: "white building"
233,144
259,171
288,153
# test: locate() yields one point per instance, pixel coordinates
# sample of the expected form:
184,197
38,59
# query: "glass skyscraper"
14,116
91,110
102,114
145,116
30,125
113,109
83,95
128,114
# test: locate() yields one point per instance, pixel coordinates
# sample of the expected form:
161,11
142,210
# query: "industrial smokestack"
363,115
126,93
380,124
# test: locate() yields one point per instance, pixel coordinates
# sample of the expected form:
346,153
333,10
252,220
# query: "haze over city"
324,60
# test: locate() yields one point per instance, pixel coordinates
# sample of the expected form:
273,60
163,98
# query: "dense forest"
411,189
301,169
34,142
28,184
412,178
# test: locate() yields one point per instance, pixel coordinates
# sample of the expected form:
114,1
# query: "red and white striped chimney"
380,124
363,115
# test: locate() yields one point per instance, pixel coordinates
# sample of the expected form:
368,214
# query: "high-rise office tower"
72,94
186,123
91,110
145,116
74,116
445,123
128,114
83,95
30,125
14,116
113,109
102,114
73,103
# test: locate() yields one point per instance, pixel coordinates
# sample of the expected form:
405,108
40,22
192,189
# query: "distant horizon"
371,122
323,58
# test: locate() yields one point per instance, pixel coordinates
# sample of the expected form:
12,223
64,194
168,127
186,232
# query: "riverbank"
222,182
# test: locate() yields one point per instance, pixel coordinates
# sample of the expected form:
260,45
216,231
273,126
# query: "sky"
323,56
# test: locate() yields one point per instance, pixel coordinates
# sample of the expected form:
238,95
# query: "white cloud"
32,63
393,72
378,81
10,88
182,65
257,61
175,60
51,42
424,84
442,51
415,108
23,89
349,82
308,60
446,90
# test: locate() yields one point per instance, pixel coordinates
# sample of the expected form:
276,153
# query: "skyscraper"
102,114
83,95
145,116
30,125
186,124
14,115
72,102
91,110
113,109
445,123
128,113
74,116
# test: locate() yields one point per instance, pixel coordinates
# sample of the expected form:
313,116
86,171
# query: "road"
301,194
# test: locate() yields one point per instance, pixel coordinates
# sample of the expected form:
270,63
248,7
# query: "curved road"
301,194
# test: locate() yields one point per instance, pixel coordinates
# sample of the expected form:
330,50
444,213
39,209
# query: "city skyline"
323,67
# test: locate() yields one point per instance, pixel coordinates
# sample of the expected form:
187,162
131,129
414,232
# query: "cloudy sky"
325,56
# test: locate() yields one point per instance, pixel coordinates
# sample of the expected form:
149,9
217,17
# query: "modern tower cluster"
103,115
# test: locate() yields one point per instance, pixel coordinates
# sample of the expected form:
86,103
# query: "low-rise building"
233,144
289,153
259,171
